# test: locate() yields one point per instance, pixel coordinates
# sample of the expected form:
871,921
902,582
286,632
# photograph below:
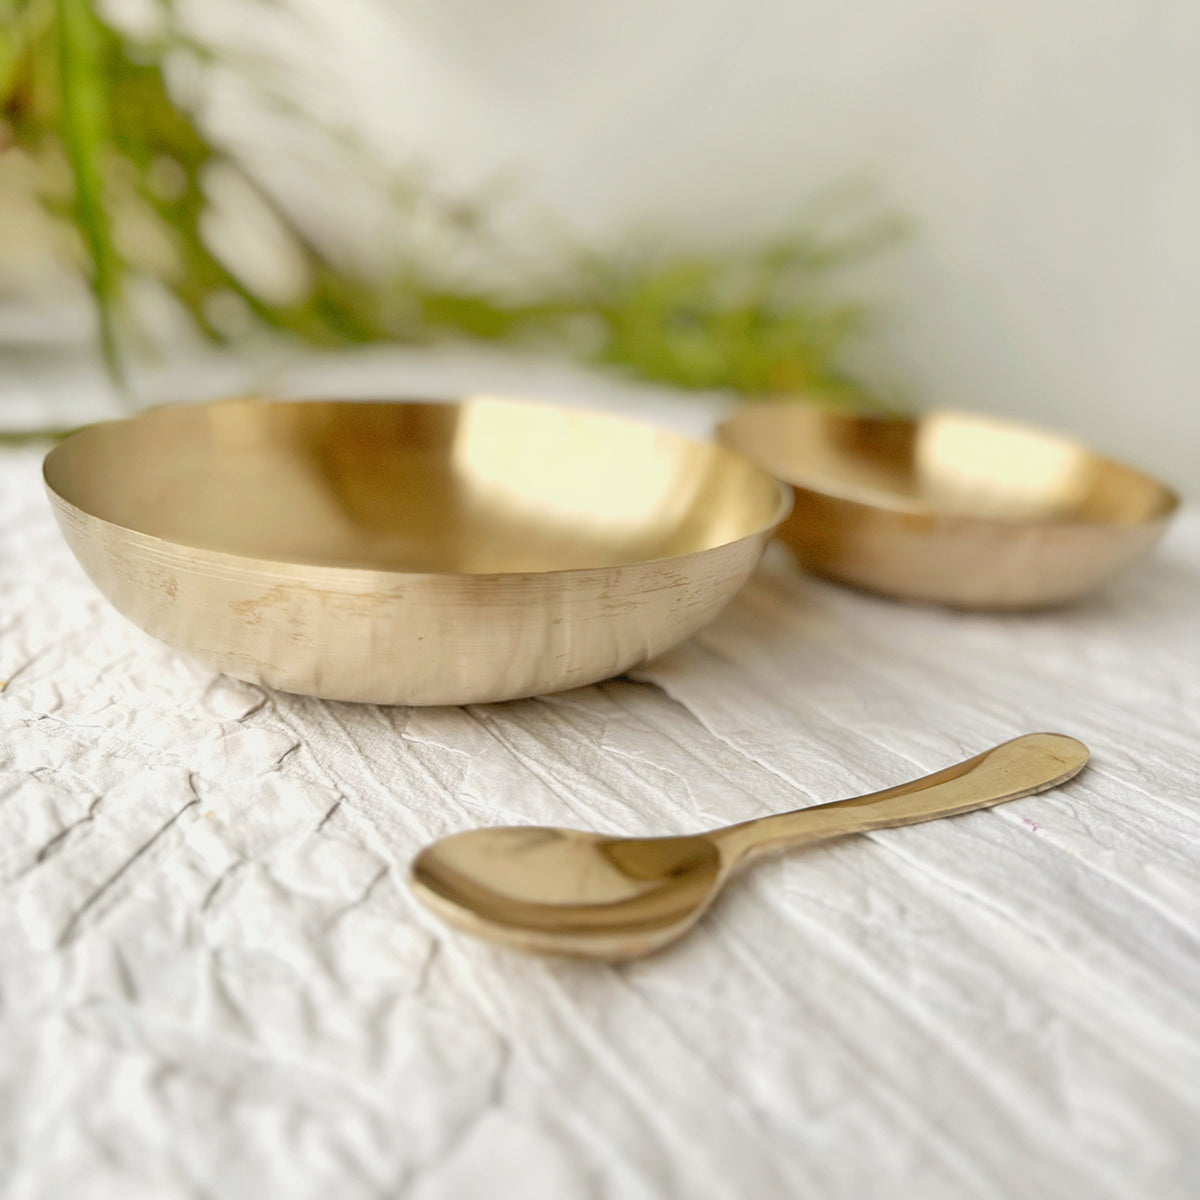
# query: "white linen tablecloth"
215,983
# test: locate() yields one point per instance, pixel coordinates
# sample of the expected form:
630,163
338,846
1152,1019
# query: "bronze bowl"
953,507
410,553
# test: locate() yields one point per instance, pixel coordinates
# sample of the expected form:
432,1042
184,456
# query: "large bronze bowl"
410,553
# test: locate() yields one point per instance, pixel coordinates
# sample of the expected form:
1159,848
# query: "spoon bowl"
566,891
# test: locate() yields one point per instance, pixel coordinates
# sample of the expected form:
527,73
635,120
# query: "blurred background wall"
1047,151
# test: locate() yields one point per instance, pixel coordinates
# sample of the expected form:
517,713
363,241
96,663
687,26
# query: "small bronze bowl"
954,508
410,553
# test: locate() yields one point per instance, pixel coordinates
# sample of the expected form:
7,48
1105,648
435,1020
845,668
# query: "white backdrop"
1048,152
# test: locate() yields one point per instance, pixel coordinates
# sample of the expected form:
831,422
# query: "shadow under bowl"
953,507
410,552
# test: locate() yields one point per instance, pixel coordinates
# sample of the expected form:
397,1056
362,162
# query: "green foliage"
753,324
82,42
83,93
116,150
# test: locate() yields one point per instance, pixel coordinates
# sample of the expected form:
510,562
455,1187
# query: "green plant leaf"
84,119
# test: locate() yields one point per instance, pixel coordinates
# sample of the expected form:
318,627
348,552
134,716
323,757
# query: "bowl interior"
960,464
482,486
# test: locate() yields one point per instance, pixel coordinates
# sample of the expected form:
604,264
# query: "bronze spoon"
599,896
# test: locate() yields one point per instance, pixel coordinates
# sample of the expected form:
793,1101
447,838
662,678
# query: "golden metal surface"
410,553
954,508
567,892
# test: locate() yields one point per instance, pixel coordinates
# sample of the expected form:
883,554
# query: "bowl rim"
884,500
782,508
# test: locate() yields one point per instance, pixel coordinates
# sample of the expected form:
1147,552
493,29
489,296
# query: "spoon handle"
1018,768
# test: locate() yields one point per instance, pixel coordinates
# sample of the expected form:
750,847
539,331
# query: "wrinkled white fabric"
214,982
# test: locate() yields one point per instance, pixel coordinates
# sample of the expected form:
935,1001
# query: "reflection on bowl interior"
960,464
489,486
975,467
